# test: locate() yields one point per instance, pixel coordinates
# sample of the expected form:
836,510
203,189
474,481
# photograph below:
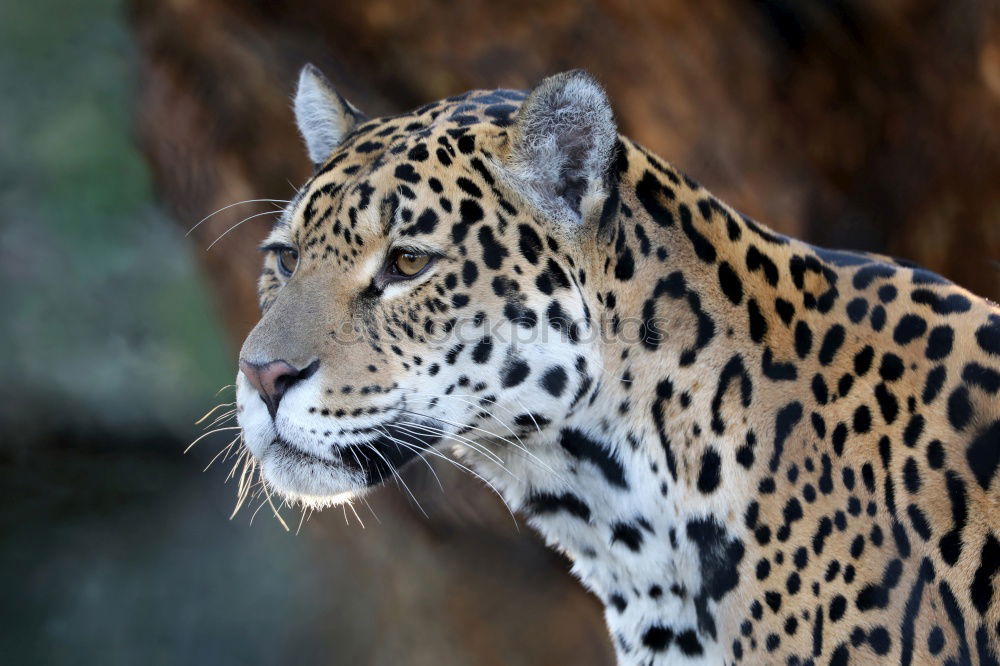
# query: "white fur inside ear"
323,117
562,144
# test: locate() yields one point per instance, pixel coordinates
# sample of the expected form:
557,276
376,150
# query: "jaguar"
750,448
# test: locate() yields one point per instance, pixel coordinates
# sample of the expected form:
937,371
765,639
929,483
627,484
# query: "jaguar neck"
635,494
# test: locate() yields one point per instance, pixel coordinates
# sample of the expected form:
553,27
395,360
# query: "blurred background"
853,124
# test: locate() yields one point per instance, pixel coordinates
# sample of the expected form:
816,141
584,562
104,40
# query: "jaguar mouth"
394,447
293,453
300,474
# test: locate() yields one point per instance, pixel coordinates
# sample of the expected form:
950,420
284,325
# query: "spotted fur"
753,450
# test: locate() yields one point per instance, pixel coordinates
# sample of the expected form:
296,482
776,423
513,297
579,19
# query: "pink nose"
272,380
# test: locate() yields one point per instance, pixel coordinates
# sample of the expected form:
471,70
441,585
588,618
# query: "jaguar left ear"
324,117
562,143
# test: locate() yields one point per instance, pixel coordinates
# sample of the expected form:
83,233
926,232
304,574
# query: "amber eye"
409,264
288,259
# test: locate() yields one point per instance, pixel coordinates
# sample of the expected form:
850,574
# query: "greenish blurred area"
115,549
107,329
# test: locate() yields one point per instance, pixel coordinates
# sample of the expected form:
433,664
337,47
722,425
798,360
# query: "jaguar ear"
562,142
323,116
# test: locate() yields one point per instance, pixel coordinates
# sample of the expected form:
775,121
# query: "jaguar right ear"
324,117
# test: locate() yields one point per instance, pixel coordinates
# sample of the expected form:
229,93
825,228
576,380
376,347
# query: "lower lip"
296,451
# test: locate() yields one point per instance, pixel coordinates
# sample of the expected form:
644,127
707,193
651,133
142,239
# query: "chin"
302,478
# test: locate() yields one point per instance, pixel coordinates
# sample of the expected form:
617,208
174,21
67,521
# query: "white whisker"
535,459
274,509
222,418
238,203
399,479
245,219
387,434
475,474
478,447
213,410
210,432
530,414
441,433
355,512
225,449
472,404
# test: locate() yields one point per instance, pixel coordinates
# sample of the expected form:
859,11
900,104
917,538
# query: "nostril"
308,371
284,382
286,376
272,380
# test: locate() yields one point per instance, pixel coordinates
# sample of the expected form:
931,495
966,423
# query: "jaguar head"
424,290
